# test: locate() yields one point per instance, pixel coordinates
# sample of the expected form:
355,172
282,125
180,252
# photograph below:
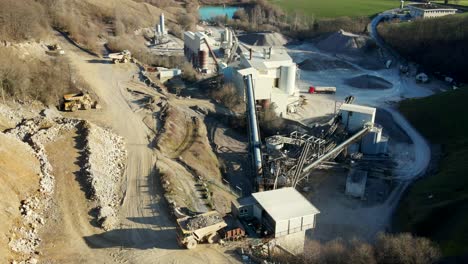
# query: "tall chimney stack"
161,22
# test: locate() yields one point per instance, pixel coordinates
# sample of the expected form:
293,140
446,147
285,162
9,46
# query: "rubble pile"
13,116
201,221
105,167
36,132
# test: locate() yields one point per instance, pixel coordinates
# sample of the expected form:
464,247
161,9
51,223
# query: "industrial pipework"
254,135
339,148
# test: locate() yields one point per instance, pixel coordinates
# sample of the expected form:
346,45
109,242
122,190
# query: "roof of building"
358,109
285,203
262,61
431,7
244,201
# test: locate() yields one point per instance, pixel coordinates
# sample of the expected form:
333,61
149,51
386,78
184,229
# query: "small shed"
282,212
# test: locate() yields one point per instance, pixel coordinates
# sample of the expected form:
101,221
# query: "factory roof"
358,109
285,203
192,35
264,60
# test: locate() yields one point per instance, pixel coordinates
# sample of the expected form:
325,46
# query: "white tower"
161,22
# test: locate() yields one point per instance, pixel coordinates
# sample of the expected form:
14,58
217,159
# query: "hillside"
438,44
337,8
436,206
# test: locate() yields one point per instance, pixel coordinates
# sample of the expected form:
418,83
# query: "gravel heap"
106,158
105,167
201,221
263,39
10,114
322,64
36,133
343,42
367,81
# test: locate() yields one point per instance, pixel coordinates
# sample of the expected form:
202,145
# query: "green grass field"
337,8
437,206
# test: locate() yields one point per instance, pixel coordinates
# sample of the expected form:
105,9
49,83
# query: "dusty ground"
19,170
70,215
344,216
146,233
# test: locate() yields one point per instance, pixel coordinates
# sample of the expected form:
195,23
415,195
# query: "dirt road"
145,223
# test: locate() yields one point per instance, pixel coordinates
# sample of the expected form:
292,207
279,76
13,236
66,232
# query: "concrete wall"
257,211
262,87
293,243
294,225
280,99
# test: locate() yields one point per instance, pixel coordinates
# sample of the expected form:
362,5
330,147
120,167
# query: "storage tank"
274,143
226,35
287,81
161,22
203,59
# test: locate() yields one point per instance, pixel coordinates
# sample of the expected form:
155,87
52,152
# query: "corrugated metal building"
282,212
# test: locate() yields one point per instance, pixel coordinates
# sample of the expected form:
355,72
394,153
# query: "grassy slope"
337,8
442,119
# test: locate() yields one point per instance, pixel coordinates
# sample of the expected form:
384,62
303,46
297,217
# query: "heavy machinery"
192,230
121,57
55,50
77,101
322,90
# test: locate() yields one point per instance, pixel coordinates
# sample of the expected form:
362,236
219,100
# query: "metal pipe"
338,148
254,131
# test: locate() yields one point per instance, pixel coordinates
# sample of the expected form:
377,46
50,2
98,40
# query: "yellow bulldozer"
78,101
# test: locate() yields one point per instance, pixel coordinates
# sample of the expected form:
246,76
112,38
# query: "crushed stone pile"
198,222
11,115
35,133
343,42
105,167
367,81
322,64
263,39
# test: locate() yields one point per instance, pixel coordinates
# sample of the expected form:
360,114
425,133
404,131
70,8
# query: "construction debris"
202,221
36,132
105,165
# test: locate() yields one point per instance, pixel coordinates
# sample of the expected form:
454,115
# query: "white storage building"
282,211
354,117
430,10
274,76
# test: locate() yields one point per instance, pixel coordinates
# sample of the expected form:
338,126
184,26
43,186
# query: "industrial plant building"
284,214
197,50
274,77
430,10
354,118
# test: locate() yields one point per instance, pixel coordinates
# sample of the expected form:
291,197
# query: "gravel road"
144,217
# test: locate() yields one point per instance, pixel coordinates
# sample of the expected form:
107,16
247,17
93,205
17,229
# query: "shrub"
22,20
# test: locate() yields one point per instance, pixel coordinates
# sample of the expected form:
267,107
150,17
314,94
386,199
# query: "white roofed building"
274,76
284,214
